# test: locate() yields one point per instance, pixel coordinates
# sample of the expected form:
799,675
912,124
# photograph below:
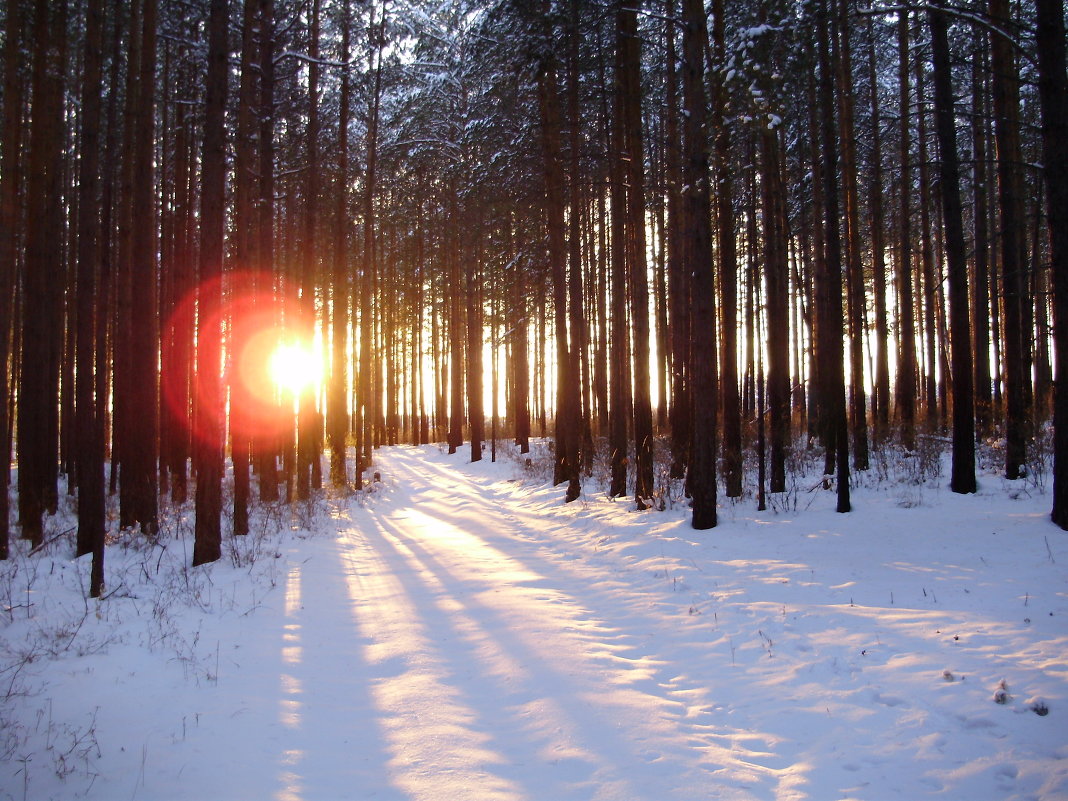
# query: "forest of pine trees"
625,225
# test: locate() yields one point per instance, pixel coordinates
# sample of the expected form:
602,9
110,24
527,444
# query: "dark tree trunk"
906,374
1053,91
831,352
963,470
980,305
702,476
728,266
927,260
266,445
10,147
854,265
366,407
618,373
680,412
90,439
337,410
42,305
776,302
140,460
576,316
567,422
881,383
245,263
632,153
475,406
207,546
307,425
520,365
1017,355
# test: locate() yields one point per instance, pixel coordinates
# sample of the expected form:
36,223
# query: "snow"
458,632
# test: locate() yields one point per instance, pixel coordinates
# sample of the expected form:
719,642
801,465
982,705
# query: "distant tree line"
618,220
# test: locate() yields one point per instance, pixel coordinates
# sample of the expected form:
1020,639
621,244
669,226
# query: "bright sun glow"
295,367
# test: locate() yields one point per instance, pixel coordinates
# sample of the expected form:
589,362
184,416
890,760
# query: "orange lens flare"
269,362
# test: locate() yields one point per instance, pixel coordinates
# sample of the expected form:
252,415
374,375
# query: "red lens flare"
259,325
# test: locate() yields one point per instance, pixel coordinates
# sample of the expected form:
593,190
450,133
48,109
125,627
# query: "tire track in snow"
547,664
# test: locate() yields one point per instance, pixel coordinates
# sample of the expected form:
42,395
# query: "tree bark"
728,266
140,461
10,180
906,374
701,479
963,469
1053,92
90,434
567,429
337,410
1017,356
207,546
832,373
42,305
629,84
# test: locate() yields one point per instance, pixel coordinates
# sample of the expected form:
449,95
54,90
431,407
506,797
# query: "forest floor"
457,632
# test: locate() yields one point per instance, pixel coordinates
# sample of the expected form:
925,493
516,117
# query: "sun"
295,367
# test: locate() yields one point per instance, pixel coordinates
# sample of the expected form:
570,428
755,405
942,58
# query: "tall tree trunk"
906,373
42,306
90,445
1006,85
576,316
881,382
680,414
207,546
832,372
140,461
927,260
629,84
337,410
701,479
963,470
567,423
245,263
776,303
365,413
854,264
266,446
307,417
728,265
10,148
475,365
1053,91
980,304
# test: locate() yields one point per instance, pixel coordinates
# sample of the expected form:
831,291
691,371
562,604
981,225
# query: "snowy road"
456,634
466,636
486,673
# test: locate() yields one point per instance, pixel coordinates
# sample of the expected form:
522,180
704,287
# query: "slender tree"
1053,90
140,471
10,148
830,348
701,479
727,262
1017,357
90,434
963,469
337,411
906,371
633,157
39,384
207,546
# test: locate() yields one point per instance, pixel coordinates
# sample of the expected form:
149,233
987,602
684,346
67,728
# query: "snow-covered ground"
459,633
